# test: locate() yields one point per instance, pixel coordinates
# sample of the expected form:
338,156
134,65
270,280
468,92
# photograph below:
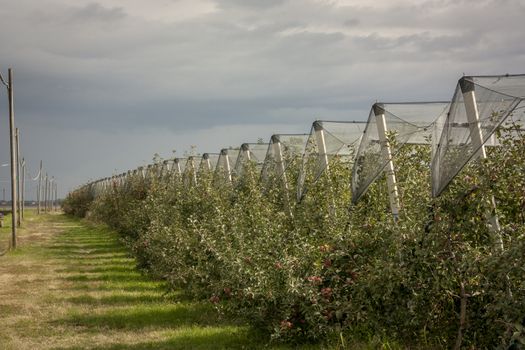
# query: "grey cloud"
258,4
90,13
95,11
97,70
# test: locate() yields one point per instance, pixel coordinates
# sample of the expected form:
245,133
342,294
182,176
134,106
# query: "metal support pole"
22,188
207,163
176,165
323,157
56,196
393,193
246,151
193,170
321,144
39,190
14,160
18,207
471,108
46,185
228,167
281,171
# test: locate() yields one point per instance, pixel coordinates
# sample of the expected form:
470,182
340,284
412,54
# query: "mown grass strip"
74,286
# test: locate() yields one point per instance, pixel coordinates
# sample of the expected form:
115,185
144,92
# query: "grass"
74,286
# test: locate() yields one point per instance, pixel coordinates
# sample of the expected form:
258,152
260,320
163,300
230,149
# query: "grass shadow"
167,316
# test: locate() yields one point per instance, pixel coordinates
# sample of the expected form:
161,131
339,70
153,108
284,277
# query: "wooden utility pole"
39,190
14,161
18,207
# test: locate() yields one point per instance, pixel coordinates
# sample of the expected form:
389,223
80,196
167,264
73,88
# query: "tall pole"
22,188
281,171
393,193
46,185
14,161
52,196
18,208
56,196
471,109
49,189
39,190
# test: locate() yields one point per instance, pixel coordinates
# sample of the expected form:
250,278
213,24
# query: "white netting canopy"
291,147
407,123
225,165
479,106
179,166
326,141
250,153
208,162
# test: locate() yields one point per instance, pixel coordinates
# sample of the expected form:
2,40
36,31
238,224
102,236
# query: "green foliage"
77,203
308,270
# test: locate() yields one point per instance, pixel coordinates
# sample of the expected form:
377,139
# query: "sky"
103,86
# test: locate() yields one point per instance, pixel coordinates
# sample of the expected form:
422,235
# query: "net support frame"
393,192
471,109
281,171
206,162
321,145
228,166
176,167
323,156
193,169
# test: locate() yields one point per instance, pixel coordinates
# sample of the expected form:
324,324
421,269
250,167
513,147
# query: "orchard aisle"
73,286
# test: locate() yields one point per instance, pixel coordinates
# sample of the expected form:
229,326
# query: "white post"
393,193
22,188
165,168
244,155
321,144
46,184
281,170
323,157
228,170
56,196
192,169
207,163
18,171
246,151
39,190
471,108
176,164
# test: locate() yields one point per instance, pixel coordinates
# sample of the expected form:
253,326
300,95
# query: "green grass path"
74,286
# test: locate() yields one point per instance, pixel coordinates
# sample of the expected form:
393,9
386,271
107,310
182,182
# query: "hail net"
405,123
209,163
341,139
250,153
225,164
292,149
463,135
179,166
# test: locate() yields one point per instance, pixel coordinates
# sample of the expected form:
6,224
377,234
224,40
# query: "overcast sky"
103,86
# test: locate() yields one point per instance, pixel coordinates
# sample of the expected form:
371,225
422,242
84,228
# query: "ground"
72,285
